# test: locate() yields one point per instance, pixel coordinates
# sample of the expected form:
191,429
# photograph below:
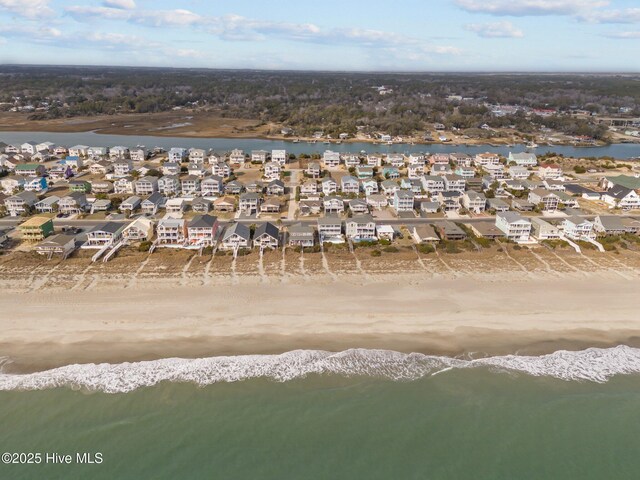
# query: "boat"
532,145
296,140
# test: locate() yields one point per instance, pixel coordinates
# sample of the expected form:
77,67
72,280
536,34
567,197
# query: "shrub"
426,248
376,253
144,246
483,242
391,249
451,247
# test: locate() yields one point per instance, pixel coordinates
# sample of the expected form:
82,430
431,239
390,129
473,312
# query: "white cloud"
123,4
495,30
238,28
521,8
628,15
624,35
27,8
107,13
34,33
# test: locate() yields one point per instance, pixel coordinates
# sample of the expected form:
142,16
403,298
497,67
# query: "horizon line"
288,70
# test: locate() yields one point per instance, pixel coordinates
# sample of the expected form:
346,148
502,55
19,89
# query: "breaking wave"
593,364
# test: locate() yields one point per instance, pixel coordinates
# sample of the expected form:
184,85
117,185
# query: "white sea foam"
594,364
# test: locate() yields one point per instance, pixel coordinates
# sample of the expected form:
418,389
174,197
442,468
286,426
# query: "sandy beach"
485,303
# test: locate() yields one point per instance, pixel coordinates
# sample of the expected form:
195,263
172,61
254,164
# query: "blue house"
390,172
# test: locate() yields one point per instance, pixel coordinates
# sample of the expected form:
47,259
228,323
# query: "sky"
355,35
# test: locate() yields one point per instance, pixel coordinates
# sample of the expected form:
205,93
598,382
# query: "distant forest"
331,102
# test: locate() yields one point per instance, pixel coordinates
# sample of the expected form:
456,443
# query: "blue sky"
407,35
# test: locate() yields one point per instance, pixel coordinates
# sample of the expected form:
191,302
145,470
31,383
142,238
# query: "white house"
329,186
543,230
524,159
578,228
403,201
361,227
172,231
79,151
267,235
474,201
236,235
177,154
514,226
237,156
330,229
621,197
279,156
272,170
146,185
104,234
331,159
549,171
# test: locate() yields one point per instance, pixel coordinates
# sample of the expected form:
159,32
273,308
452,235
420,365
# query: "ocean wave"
593,364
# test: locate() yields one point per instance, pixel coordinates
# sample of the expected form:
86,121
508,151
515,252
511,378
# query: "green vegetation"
426,248
144,246
323,101
450,246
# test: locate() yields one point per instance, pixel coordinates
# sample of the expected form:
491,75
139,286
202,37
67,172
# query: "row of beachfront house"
205,230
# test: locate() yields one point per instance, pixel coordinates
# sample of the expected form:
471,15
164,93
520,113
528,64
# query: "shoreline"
440,316
137,125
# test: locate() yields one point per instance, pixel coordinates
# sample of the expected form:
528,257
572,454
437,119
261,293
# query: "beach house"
171,231
543,230
169,185
578,228
301,235
267,235
140,229
202,230
330,229
104,234
36,229
361,228
474,202
279,156
548,200
524,159
403,201
514,226
236,236
60,244
73,203
20,203
331,159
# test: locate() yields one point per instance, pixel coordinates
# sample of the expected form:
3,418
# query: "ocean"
359,414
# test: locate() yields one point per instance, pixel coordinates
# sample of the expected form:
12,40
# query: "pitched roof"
109,227
626,181
203,221
267,228
239,229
